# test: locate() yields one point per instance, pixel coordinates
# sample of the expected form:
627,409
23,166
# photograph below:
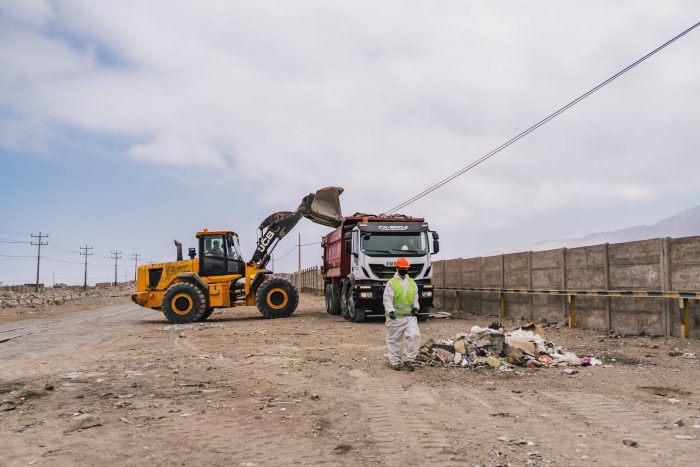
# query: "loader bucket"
324,208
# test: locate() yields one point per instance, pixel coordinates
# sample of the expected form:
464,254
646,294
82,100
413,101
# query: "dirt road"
313,389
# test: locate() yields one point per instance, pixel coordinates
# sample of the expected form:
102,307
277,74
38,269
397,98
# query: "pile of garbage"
493,347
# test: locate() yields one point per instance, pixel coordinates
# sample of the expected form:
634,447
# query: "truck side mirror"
348,242
436,243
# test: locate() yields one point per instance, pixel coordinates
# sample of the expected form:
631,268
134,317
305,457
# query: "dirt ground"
117,385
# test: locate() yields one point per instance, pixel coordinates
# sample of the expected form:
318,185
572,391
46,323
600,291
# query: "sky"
125,125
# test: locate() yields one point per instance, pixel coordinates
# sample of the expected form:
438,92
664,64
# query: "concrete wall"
657,264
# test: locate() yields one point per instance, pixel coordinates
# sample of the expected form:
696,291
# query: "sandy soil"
125,387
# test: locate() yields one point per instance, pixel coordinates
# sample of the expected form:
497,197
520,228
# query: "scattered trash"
569,372
439,314
502,350
683,437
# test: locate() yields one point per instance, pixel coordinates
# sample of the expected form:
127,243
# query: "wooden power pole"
116,256
39,243
86,254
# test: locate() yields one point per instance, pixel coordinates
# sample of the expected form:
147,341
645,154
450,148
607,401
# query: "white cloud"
382,98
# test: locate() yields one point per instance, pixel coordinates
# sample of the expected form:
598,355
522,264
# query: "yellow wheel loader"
216,276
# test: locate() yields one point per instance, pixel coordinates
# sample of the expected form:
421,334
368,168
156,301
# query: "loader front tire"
184,303
207,314
276,298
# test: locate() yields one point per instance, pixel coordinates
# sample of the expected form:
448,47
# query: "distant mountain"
683,224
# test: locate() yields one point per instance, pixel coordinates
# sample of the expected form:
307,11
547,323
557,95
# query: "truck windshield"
405,244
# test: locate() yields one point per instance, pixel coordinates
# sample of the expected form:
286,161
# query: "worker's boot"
394,367
408,366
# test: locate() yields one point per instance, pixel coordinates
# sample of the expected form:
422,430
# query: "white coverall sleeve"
388,298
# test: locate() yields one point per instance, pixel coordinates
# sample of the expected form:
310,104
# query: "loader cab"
219,254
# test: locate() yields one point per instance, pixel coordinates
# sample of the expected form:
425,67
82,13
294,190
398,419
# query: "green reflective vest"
403,302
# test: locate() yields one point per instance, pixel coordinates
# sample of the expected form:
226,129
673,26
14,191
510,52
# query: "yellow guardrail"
683,297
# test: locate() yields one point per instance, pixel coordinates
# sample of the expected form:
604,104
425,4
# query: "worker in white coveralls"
401,310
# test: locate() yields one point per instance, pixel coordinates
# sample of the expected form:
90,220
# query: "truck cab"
360,257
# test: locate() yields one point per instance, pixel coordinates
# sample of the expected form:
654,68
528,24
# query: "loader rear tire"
184,303
332,300
276,298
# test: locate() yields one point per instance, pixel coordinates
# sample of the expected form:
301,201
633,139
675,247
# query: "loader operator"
401,309
216,250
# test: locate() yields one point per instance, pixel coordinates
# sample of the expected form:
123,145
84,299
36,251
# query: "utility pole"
116,256
86,254
39,243
299,261
135,257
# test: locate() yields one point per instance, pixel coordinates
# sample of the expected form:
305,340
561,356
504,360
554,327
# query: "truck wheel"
184,303
355,314
207,314
332,300
344,300
276,298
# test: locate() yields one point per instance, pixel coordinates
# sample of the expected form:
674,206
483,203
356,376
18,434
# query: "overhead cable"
524,133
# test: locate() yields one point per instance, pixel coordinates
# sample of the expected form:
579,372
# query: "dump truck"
215,275
359,258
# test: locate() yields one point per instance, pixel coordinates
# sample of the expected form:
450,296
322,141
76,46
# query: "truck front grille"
154,277
387,272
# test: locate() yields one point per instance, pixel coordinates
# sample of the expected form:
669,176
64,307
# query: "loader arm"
322,207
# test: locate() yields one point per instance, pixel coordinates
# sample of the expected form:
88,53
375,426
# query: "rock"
679,423
688,437
7,406
315,397
49,387
82,422
629,442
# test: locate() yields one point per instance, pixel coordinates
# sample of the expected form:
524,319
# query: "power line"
524,133
39,243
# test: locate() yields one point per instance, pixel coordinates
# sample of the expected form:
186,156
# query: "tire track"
398,431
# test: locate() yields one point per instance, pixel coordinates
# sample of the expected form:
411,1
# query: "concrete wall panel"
470,273
685,263
491,271
546,269
585,267
636,265
517,273
453,273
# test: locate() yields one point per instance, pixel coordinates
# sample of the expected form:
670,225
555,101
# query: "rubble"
59,296
502,350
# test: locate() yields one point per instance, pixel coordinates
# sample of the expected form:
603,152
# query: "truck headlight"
366,295
426,294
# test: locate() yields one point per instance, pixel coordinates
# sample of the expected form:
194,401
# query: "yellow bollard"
572,310
685,318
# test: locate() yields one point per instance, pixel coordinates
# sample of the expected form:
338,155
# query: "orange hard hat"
402,263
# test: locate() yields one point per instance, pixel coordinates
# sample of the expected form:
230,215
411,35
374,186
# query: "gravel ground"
111,383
